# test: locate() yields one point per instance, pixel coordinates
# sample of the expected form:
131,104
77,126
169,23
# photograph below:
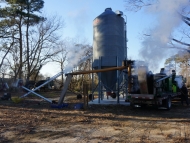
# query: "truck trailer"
146,88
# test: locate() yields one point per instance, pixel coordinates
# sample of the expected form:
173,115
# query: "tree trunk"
37,73
27,45
21,50
62,79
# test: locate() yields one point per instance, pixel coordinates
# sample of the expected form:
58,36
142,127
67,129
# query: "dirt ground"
35,121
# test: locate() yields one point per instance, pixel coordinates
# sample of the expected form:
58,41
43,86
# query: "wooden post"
85,93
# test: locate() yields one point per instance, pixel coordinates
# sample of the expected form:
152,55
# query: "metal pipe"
163,78
38,95
126,75
117,82
92,84
99,74
99,70
63,93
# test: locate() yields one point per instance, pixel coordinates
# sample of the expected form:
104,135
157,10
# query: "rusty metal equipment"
146,88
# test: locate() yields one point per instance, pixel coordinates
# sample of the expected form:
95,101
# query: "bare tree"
61,58
136,5
44,43
76,83
180,61
7,40
71,52
30,20
44,40
17,14
5,49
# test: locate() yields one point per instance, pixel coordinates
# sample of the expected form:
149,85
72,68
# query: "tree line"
29,39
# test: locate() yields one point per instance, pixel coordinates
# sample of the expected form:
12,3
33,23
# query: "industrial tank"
109,45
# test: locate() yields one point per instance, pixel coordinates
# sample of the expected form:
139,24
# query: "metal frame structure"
100,89
69,76
52,78
68,80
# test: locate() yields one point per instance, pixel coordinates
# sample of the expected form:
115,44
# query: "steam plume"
155,47
75,54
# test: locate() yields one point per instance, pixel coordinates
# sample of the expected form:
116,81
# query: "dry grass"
33,120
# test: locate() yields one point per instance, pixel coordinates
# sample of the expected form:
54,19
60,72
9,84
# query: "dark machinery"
145,88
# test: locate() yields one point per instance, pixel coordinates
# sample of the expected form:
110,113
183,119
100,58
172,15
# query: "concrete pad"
109,101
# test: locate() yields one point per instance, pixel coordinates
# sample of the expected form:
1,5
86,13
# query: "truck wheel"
167,103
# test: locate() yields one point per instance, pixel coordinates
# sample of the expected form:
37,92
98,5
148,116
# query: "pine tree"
20,15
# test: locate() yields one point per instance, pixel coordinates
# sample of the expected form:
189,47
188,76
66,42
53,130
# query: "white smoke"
155,47
75,54
179,81
78,19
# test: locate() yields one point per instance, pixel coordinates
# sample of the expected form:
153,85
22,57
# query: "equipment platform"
109,101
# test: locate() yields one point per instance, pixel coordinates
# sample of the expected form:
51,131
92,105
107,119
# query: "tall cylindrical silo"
109,45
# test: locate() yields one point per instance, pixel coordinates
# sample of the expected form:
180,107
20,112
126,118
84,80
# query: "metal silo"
109,43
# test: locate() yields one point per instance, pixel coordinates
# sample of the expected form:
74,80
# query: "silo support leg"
63,93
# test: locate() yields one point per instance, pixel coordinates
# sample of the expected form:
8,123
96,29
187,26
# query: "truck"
146,88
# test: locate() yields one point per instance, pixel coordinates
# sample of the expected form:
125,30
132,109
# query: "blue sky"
78,16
